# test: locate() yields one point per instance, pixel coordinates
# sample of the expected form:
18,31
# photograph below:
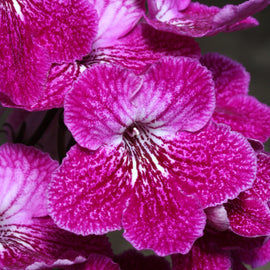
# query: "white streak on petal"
134,171
18,9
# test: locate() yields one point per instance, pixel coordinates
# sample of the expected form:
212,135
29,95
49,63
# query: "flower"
35,34
28,236
217,250
249,213
234,107
147,159
197,20
43,81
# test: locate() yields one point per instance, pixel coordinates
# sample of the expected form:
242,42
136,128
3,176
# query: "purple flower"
197,20
234,107
28,236
249,213
217,250
94,261
153,162
35,34
41,82
256,257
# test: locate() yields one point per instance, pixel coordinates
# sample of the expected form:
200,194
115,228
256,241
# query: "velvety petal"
256,257
199,20
159,217
94,262
134,260
231,14
27,235
162,9
102,108
249,217
237,264
142,47
246,115
42,242
59,81
24,64
66,29
99,262
177,94
202,256
230,77
25,173
116,18
228,240
58,264
261,187
91,197
215,163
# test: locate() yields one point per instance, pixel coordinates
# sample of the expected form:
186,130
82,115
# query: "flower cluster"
119,123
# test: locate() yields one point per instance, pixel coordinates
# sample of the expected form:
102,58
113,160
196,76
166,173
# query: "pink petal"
116,18
26,235
257,257
42,242
142,47
230,77
90,198
160,218
260,189
24,64
199,20
177,94
162,9
215,163
230,14
59,81
66,29
246,115
102,107
96,262
202,256
30,171
107,101
134,260
249,217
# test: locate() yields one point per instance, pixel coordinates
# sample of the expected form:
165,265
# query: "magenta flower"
44,86
35,34
28,237
197,20
147,167
256,257
249,213
234,107
94,261
217,250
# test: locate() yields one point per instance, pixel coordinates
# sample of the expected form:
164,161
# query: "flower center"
143,147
